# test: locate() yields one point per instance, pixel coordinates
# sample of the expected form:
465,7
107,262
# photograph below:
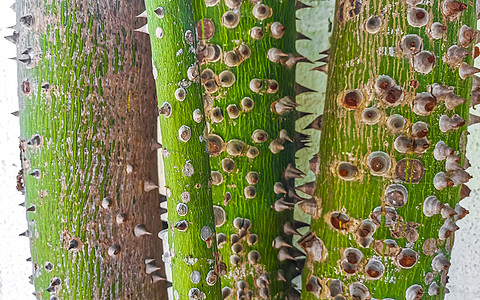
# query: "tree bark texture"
88,116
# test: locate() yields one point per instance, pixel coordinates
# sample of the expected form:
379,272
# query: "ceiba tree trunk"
88,115
195,262
247,55
391,160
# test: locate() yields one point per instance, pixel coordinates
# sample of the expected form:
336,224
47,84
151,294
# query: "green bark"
85,90
196,266
357,60
252,262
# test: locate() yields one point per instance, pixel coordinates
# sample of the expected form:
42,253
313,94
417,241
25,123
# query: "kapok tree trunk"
87,114
247,56
391,168
192,252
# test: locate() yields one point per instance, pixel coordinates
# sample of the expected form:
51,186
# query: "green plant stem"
234,129
192,250
357,59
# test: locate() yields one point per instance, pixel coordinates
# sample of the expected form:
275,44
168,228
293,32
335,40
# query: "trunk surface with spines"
358,58
191,236
266,223
85,89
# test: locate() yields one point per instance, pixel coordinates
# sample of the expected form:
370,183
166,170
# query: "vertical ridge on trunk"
387,186
193,256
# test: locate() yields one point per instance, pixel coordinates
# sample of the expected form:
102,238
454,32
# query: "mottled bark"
87,114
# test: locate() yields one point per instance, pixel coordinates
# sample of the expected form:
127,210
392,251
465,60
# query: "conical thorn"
316,123
301,5
154,145
143,29
292,172
307,188
464,191
323,68
12,38
149,185
466,70
301,36
473,119
300,89
142,15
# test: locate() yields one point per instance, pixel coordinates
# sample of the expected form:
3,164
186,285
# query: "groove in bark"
248,141
196,265
383,216
87,119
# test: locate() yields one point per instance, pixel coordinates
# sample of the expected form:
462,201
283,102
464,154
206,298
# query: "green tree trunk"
193,255
382,233
249,103
87,114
